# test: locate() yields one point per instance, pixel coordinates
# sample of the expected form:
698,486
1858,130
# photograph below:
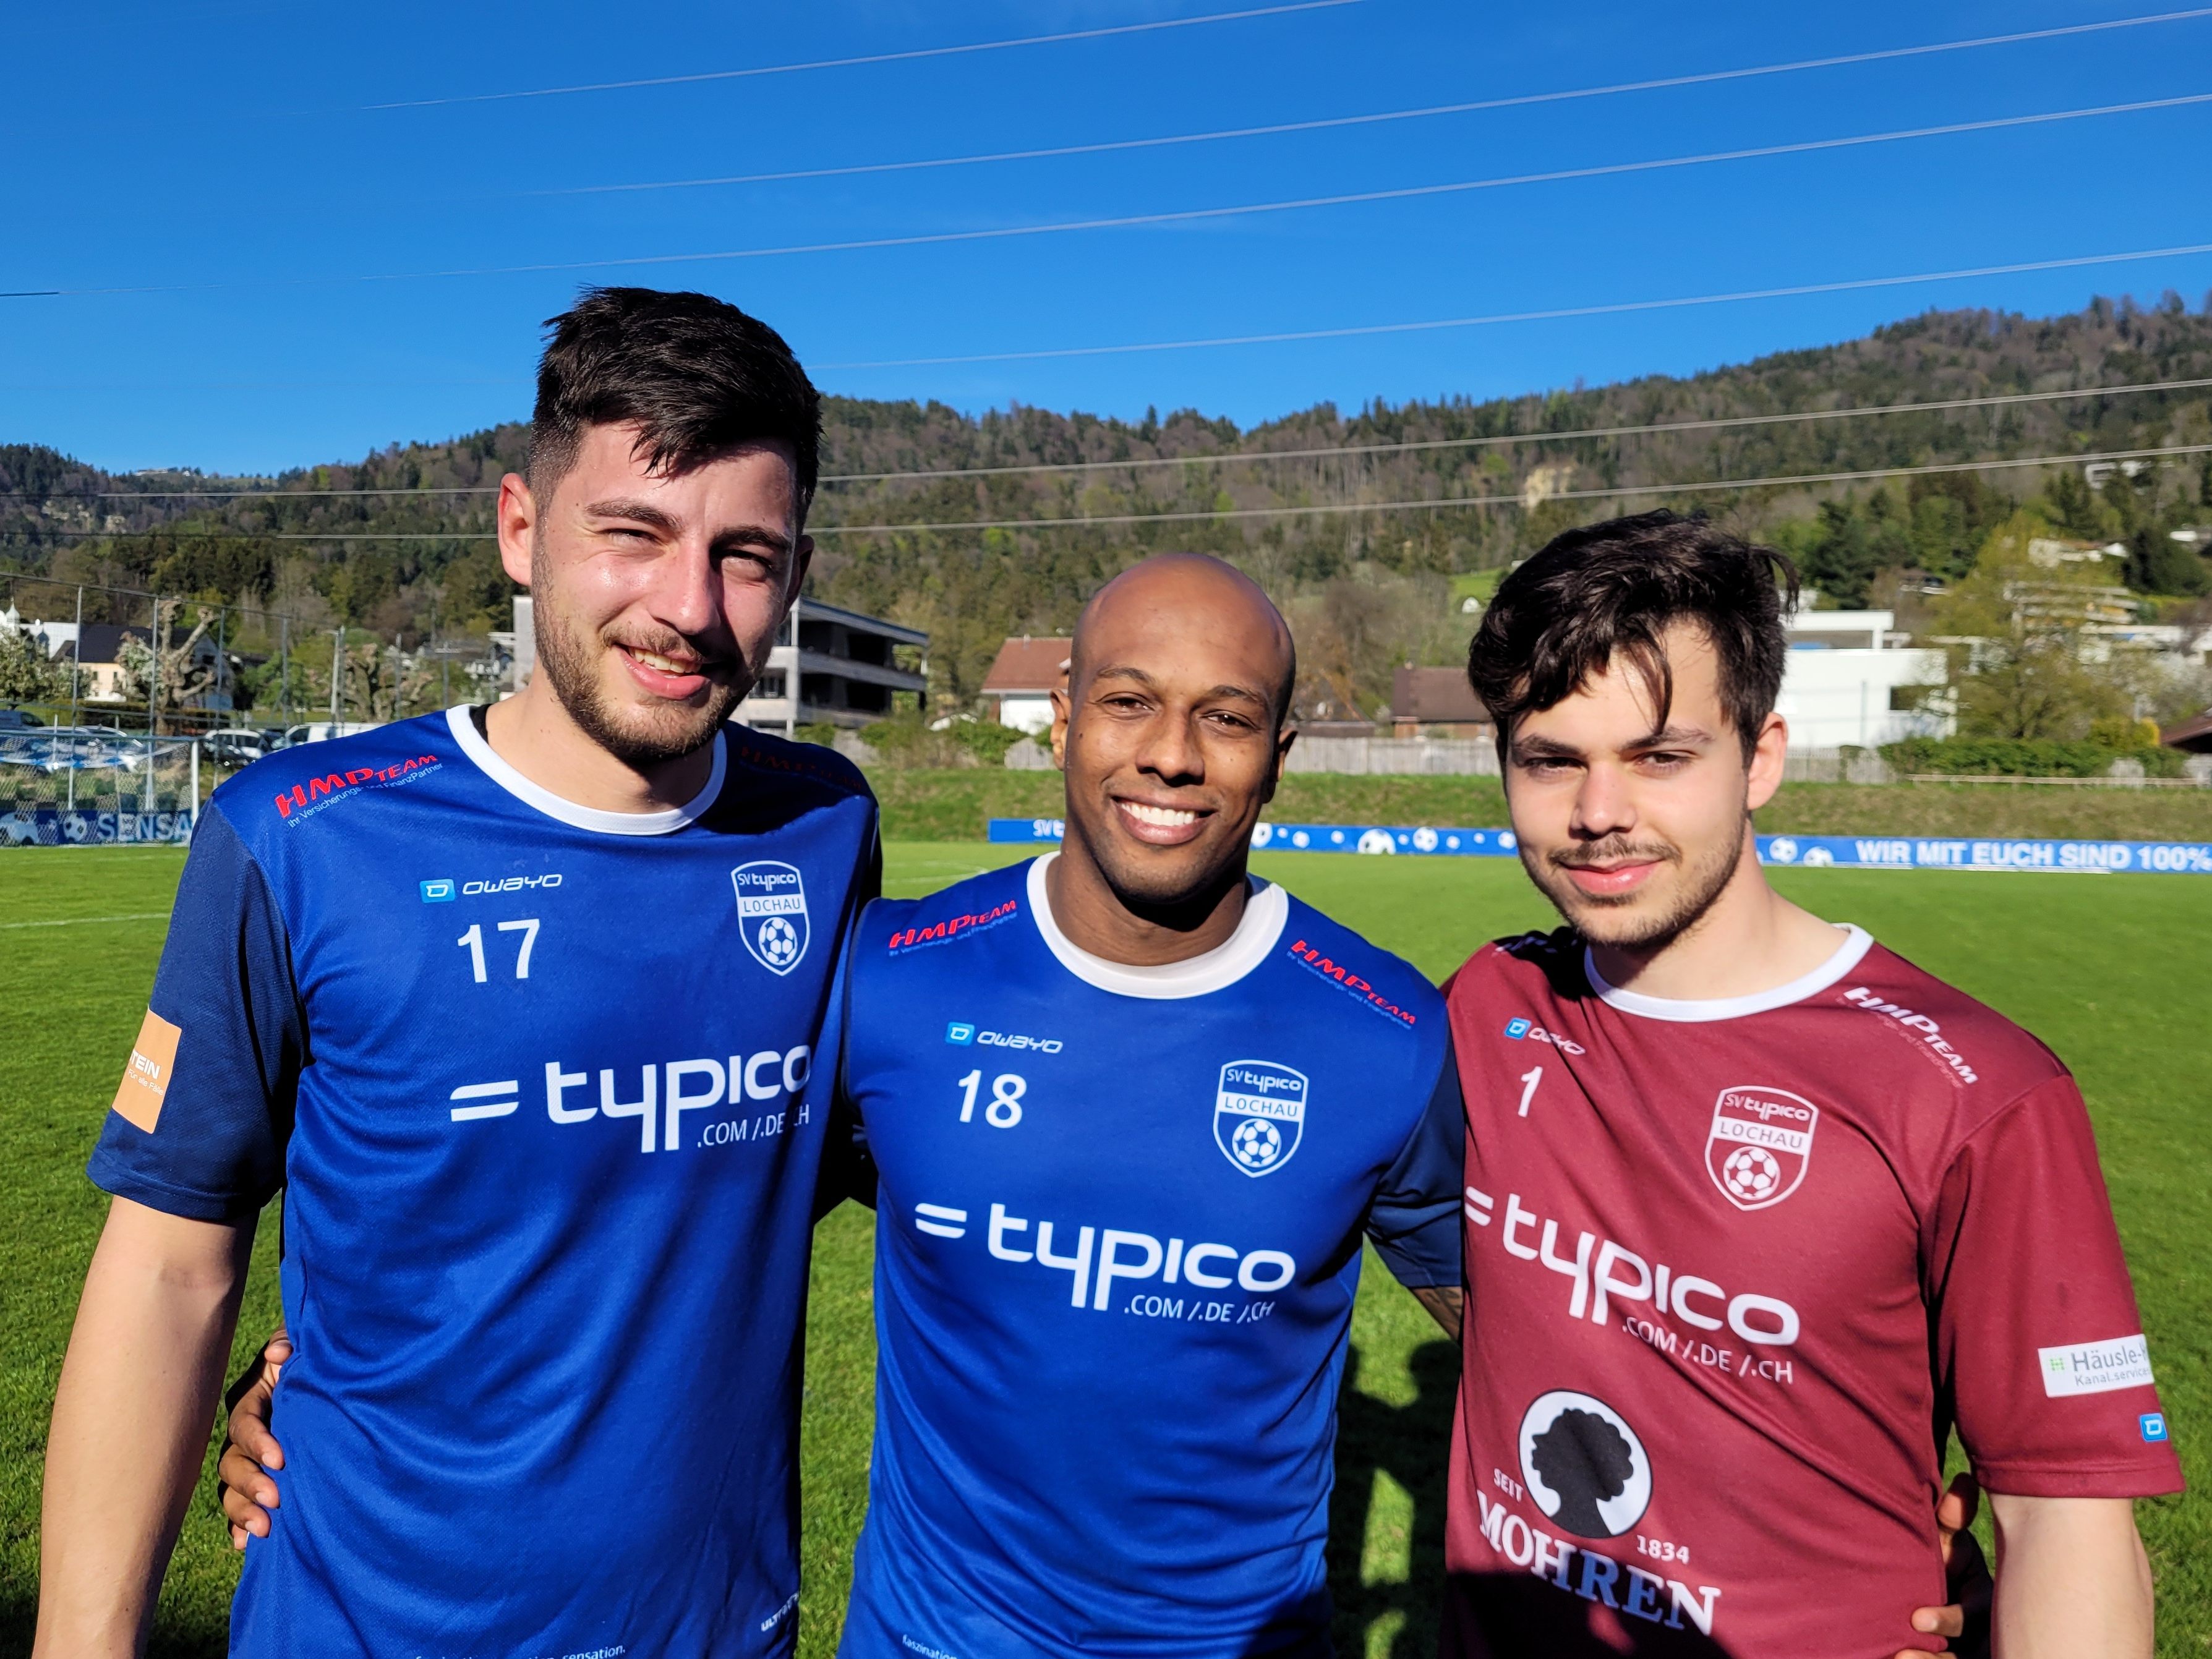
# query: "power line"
1223,459
1276,129
1190,215
1552,314
1506,440
874,57
1102,520
1613,493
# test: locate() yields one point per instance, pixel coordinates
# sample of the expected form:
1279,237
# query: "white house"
1845,676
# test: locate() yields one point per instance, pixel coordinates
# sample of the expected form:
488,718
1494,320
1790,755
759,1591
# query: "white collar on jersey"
1856,943
464,728
1265,914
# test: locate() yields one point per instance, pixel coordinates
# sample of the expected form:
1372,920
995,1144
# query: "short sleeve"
1414,1220
201,1117
2040,1349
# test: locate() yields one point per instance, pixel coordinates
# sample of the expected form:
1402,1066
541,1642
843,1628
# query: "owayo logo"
771,913
1585,1467
1760,1145
1258,1114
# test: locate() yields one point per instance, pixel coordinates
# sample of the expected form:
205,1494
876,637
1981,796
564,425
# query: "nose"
1605,803
1171,750
685,590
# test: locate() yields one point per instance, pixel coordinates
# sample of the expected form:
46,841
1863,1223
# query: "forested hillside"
1366,587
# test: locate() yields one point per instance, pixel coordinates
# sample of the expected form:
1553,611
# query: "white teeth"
654,659
1166,818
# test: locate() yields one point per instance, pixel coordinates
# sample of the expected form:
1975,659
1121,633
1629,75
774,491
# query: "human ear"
518,527
1767,755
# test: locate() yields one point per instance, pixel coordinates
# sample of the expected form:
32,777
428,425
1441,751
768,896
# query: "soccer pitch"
2110,971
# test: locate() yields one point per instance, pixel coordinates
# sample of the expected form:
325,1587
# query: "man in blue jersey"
530,1014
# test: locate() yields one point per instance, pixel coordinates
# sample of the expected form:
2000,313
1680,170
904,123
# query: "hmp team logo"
1260,1115
771,913
1584,1466
1760,1145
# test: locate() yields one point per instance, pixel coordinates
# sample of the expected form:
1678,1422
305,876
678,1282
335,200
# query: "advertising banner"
1799,851
54,826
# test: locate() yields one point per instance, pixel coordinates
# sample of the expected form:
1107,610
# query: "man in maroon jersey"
1757,1211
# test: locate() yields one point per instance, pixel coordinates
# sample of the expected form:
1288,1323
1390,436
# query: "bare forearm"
137,1393
1445,1303
2073,1581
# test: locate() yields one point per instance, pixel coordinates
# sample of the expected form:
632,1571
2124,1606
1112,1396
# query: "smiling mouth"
1160,826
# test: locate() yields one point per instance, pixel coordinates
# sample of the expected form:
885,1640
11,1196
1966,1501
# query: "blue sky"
220,160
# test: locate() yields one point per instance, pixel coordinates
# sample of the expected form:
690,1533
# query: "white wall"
1031,714
1832,698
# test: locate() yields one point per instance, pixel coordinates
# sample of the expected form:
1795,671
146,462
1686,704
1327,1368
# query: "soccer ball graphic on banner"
1257,1143
779,941
1751,1173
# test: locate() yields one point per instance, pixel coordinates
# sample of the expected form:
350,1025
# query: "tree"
2024,672
163,675
2159,564
27,673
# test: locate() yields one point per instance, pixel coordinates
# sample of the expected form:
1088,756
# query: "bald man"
1130,1114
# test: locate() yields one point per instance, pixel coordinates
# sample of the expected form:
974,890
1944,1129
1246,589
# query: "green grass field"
2110,970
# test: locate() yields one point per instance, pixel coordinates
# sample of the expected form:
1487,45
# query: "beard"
638,736
1631,921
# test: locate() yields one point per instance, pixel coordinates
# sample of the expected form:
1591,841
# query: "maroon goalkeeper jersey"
1733,1271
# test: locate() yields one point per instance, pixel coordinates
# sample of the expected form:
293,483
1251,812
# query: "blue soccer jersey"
1119,1214
546,1089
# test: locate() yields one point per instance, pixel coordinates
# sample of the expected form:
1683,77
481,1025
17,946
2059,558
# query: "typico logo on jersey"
1760,1145
1605,1277
333,785
1258,1114
771,913
1930,1034
665,1092
1518,1028
445,889
1118,1255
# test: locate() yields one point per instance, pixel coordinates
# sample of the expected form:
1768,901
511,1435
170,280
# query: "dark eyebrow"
635,512
1129,671
1672,737
644,513
1544,748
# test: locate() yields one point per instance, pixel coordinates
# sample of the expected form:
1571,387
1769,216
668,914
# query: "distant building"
99,659
2193,735
1851,678
1436,702
1018,691
841,664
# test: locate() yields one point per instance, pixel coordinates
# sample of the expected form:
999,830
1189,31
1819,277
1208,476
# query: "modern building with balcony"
842,665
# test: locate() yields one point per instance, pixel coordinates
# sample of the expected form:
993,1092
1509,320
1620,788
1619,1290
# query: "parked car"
18,720
234,745
321,731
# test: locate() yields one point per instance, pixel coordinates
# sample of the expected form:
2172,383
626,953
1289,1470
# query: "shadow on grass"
1411,1445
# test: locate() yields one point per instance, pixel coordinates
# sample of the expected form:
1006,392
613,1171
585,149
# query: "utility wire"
881,56
1332,123
1328,509
1223,459
1611,493
1191,216
1552,314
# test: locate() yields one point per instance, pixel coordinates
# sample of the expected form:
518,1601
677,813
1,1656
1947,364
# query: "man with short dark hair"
526,1011
1757,1211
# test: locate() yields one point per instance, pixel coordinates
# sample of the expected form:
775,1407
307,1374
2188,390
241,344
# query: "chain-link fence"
68,786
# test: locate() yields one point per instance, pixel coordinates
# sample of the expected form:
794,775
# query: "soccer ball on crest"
1752,1172
779,940
1256,1143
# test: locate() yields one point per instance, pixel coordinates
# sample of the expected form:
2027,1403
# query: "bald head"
1172,595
